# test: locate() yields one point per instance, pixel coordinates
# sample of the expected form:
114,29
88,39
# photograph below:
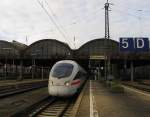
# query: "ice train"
66,78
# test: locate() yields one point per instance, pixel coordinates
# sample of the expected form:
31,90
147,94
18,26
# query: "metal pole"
89,64
6,60
21,74
97,73
13,66
42,73
14,61
125,66
33,62
5,67
106,37
132,71
32,68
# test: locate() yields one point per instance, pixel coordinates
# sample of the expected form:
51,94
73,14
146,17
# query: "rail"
10,90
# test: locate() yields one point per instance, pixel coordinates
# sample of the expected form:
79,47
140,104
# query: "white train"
66,78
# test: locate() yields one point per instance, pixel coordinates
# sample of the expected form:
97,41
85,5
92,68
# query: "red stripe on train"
75,82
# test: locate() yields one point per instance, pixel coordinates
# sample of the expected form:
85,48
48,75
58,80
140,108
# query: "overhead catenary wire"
93,13
138,17
85,17
129,14
77,19
53,21
123,12
56,19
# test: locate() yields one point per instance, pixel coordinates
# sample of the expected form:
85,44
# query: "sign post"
132,71
132,45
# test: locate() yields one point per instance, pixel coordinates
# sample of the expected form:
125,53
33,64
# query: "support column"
13,66
42,73
21,71
132,71
33,68
5,68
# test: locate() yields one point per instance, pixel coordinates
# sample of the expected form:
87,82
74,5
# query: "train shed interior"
20,61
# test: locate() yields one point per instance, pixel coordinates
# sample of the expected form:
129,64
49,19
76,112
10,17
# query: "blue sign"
134,44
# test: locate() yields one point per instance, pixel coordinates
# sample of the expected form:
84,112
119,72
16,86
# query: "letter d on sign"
139,42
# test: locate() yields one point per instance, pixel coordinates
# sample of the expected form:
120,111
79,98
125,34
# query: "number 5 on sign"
126,44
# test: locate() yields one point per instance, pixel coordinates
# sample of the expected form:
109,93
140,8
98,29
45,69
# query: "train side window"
79,75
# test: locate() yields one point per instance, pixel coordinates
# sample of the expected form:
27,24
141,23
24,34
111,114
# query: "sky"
27,21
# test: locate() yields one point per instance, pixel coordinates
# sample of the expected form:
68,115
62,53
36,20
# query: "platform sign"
138,44
95,57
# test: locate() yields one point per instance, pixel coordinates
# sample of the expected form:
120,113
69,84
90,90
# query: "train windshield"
62,70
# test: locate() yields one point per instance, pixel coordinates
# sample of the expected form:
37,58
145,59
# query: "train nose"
61,90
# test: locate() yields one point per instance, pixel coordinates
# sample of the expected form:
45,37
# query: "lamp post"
21,70
37,52
33,64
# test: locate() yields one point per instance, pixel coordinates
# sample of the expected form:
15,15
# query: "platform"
98,101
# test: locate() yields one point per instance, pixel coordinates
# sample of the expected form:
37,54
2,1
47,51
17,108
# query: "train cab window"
62,70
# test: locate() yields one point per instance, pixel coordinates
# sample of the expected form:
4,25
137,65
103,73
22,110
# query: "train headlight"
67,83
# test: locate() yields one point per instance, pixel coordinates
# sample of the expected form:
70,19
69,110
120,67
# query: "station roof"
48,40
7,49
100,41
46,49
54,49
18,45
97,47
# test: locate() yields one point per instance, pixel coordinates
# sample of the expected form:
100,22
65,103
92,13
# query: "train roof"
67,61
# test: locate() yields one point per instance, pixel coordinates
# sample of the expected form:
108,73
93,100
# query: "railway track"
49,107
55,108
17,89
